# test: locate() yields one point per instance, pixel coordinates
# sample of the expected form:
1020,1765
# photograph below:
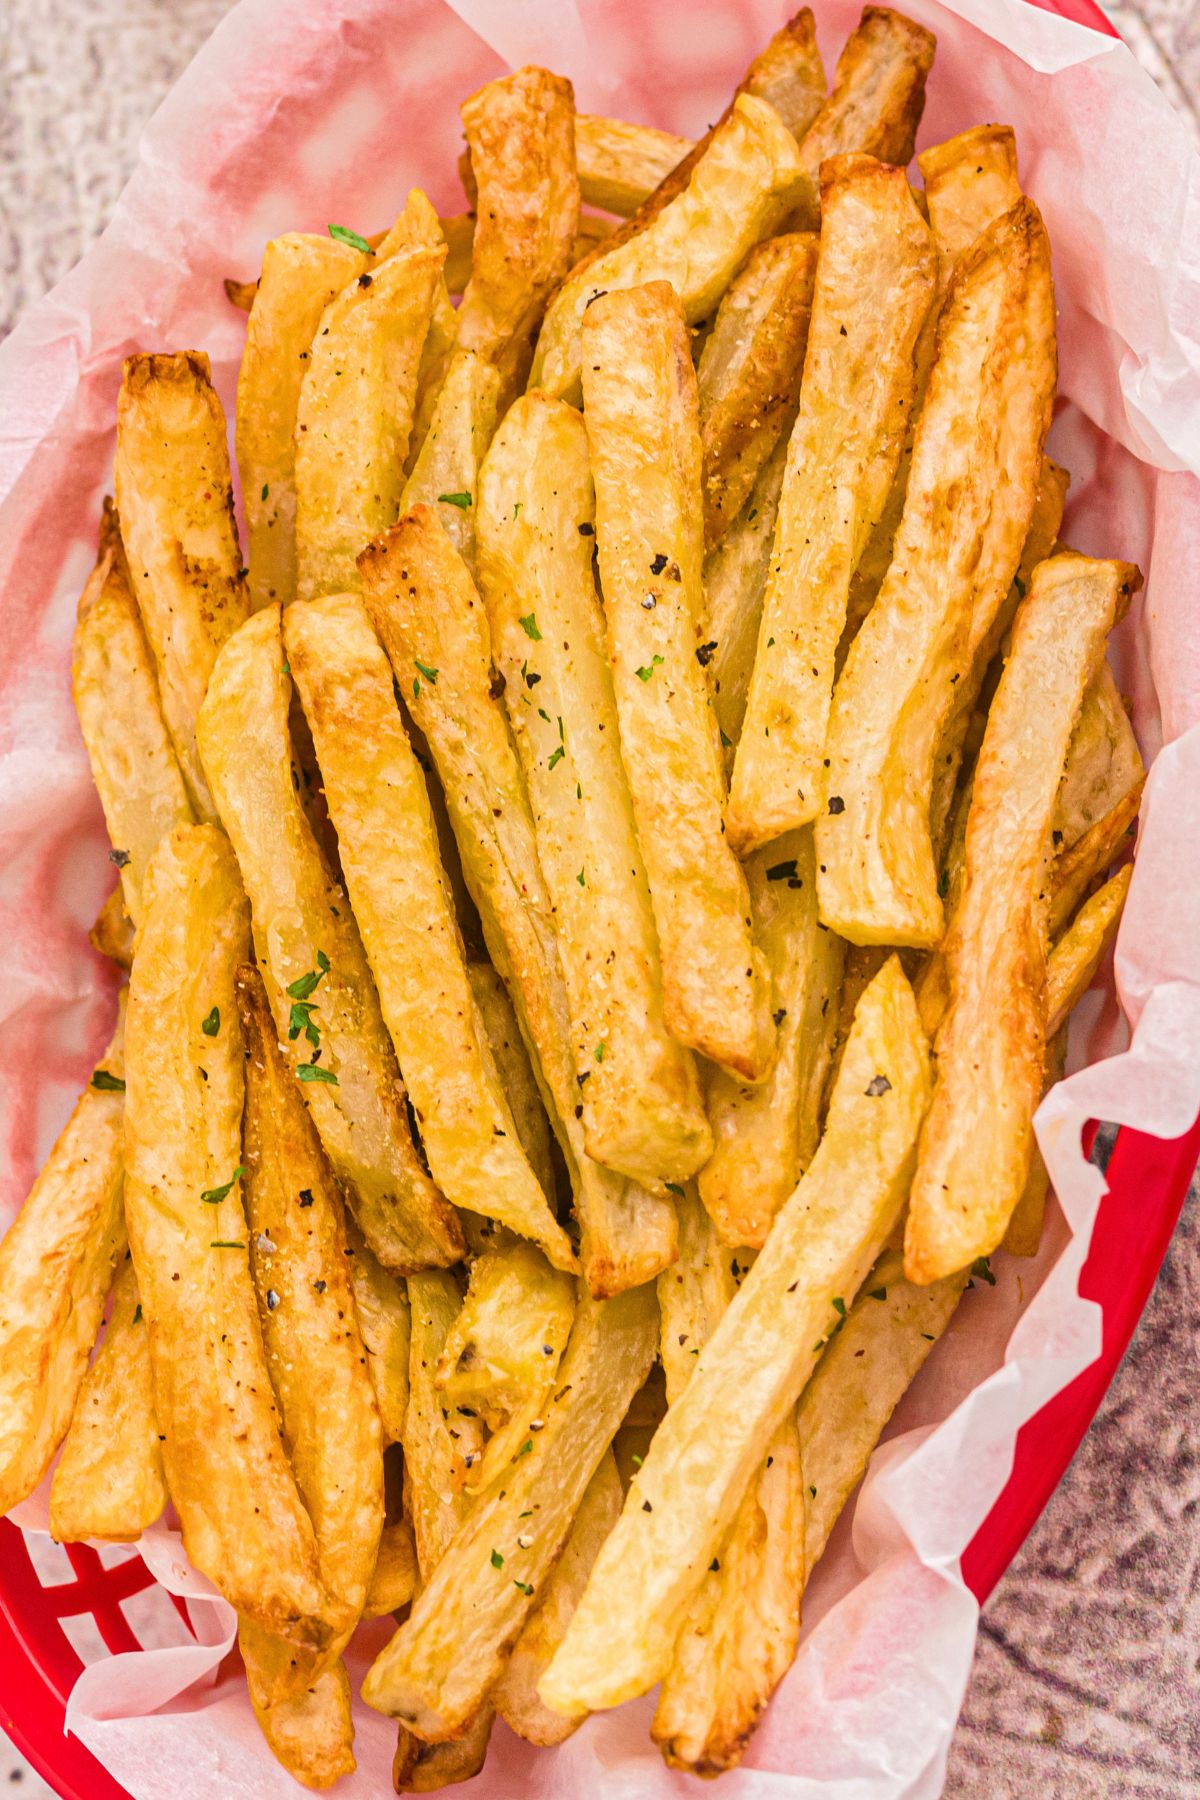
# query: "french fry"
642,426
301,916
764,1137
875,282
970,497
314,1351
56,1267
116,697
515,1695
378,801
516,1073
112,934
741,1626
521,136
243,1522
1024,1234
874,105
176,507
313,1734
437,1669
864,1373
748,1376
240,293
446,472
639,1089
740,191
426,607
108,1482
420,1768
976,1143
394,1580
748,376
1082,947
357,400
436,357
381,1303
1090,855
735,579
440,1446
619,165
1103,763
302,274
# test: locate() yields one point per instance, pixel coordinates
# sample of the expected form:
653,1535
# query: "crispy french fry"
314,1350
874,105
749,1374
395,1578
1082,947
735,579
515,1695
976,1143
357,400
302,274
440,1448
748,376
56,1267
176,507
970,497
516,1074
876,276
620,165
642,426
764,1137
381,1302
446,472
1090,855
1024,1234
521,135
436,357
1103,763
108,1482
112,933
313,1734
420,1768
856,1386
116,696
437,1669
244,1524
431,613
301,918
378,801
638,1088
740,190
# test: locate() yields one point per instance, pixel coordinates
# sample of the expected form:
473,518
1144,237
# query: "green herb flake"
581,878
982,1269
310,1072
526,1587
598,1052
839,1306
226,1244
301,1020
517,510
266,489
636,1460
462,501
104,1083
726,741
429,674
344,235
526,1447
304,985
497,1560
943,884
529,626
556,758
644,673
212,1024
812,1493
879,1293
214,1196
137,1313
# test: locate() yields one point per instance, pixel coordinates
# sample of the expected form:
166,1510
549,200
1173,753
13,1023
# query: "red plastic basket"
1148,1181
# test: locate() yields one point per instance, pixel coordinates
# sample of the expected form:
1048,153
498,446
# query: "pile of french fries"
603,888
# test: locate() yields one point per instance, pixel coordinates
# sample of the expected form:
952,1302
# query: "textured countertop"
1086,1683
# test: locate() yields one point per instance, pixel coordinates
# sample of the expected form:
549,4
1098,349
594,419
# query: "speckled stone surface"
1086,1683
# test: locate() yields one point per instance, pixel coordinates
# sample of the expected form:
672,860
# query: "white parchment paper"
302,111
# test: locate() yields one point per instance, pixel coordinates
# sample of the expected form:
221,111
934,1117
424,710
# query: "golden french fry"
302,274
1082,947
970,497
1024,1234
437,1669
516,1072
856,1386
357,400
112,933
426,607
875,282
446,471
314,1350
521,135
56,1267
748,376
642,426
436,357
108,1482
764,1137
874,105
735,579
420,1768
244,1524
639,1090
378,801
975,1146
1103,763
116,696
1090,855
620,165
740,190
395,1578
176,507
302,921
312,1735
381,1303
439,1448
747,1377
515,1695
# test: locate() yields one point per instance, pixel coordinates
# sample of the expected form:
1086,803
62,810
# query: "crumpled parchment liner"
299,112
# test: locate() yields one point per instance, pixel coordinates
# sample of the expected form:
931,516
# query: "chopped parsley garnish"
839,1306
526,1587
529,626
983,1269
304,985
943,884
310,1072
429,674
556,758
636,1460
726,741
214,1196
673,1187
212,1024
644,674
226,1244
526,1447
301,1020
497,1560
598,1052
266,489
462,501
137,1313
581,878
105,1083
879,1293
344,235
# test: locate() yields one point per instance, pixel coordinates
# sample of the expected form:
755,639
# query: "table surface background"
1086,1682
